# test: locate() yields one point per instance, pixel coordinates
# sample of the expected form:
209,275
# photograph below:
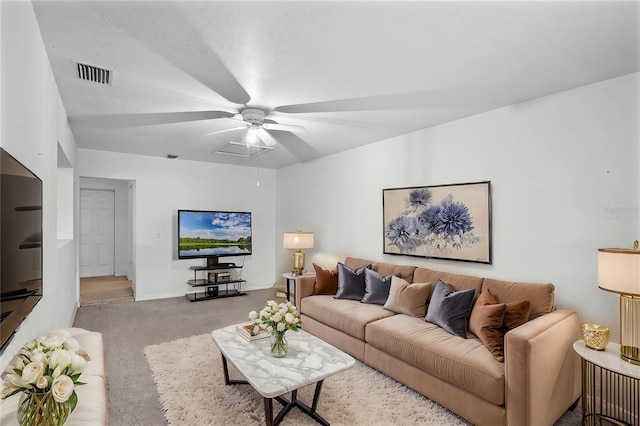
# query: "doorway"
106,240
97,233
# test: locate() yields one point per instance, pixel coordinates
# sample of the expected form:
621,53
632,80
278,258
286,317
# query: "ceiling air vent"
94,74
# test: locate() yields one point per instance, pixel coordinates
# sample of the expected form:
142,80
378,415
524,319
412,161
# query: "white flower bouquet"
46,370
277,319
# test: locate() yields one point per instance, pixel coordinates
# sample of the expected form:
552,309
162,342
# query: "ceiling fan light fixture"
252,136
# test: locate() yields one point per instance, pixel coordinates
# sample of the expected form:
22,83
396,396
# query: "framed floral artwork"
443,222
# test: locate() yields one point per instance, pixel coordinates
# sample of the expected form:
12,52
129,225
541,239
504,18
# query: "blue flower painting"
418,223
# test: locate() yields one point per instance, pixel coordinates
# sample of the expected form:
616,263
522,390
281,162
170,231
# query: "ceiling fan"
253,120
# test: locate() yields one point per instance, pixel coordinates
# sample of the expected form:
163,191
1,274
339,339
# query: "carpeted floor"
189,378
130,327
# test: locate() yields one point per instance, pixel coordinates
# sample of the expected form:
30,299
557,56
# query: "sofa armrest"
542,371
304,287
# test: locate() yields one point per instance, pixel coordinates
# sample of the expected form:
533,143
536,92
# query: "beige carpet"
189,379
188,375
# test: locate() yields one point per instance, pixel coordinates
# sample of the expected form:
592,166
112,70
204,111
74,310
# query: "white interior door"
97,237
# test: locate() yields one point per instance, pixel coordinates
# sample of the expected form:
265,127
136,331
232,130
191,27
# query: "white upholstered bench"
93,403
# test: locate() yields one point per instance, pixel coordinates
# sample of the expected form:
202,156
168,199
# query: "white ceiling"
351,73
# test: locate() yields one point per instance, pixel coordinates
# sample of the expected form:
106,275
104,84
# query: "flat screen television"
21,244
213,234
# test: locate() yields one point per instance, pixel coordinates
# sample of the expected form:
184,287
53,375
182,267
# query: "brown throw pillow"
484,318
326,281
409,299
486,322
516,314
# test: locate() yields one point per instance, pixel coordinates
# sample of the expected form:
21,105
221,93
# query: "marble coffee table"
309,360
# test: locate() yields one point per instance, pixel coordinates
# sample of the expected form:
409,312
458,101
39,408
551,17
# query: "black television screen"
21,244
213,234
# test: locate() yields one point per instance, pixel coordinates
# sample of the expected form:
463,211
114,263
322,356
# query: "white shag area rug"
188,375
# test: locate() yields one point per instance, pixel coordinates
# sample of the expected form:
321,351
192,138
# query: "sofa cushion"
348,316
357,263
376,287
486,323
465,363
450,309
409,299
456,281
326,281
404,272
350,282
541,296
386,269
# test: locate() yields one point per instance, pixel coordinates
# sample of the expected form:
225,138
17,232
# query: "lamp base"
297,262
630,354
629,328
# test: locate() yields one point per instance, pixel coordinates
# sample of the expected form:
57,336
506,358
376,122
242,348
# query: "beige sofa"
93,404
537,382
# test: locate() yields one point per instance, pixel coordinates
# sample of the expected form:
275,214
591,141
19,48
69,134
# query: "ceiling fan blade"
267,138
284,127
225,130
199,60
147,119
422,99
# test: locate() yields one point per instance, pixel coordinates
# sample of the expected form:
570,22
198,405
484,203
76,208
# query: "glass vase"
41,409
279,344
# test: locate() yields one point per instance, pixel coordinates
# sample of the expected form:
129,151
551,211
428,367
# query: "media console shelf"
213,277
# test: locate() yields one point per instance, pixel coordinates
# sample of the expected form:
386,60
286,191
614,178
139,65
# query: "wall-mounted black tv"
213,234
21,244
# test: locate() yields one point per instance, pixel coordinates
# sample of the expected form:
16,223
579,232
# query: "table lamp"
619,272
297,241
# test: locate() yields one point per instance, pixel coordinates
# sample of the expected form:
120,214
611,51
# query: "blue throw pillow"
450,309
376,287
350,282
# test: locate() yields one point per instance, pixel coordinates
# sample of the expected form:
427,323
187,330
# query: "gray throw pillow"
350,282
376,287
450,309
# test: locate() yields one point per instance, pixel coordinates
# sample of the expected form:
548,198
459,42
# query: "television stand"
212,262
212,279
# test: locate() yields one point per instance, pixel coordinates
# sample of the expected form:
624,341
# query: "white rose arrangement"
276,317
50,365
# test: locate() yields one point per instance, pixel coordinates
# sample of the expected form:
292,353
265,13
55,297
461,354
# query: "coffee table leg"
316,396
225,369
268,411
295,402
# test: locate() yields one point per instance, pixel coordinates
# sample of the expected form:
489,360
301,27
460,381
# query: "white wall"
162,187
564,176
33,123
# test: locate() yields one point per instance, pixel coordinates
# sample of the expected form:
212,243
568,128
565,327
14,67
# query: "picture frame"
451,222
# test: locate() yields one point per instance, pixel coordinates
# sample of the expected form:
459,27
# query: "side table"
291,278
610,386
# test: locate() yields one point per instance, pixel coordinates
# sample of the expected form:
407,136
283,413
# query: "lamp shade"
619,270
298,240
